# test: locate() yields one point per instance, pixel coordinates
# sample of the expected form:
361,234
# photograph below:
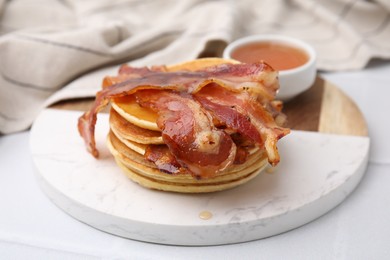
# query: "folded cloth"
55,50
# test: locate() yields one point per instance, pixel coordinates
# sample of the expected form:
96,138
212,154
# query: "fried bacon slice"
254,86
162,157
189,132
247,116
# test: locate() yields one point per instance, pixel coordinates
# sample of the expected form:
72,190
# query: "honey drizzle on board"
205,215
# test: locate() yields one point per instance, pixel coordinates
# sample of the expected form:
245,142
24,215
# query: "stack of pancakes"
133,128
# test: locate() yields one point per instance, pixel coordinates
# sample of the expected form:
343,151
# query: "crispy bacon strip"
188,131
247,117
218,101
258,79
162,158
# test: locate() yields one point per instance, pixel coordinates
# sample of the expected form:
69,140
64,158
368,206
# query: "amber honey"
279,56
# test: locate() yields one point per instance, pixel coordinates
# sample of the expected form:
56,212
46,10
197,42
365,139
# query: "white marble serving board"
316,173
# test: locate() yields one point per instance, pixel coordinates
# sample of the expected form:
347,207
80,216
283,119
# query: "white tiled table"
31,227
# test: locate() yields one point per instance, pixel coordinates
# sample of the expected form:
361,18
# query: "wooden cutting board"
323,108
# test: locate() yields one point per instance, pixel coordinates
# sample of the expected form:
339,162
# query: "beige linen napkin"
55,50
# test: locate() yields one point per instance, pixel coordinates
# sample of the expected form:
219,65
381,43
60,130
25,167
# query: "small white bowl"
292,81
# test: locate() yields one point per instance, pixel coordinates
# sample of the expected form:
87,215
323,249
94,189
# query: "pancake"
132,158
147,175
199,64
127,108
194,187
133,129
128,130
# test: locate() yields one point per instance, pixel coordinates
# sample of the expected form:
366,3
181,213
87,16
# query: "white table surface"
32,227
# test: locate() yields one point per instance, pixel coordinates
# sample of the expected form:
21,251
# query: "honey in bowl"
279,56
